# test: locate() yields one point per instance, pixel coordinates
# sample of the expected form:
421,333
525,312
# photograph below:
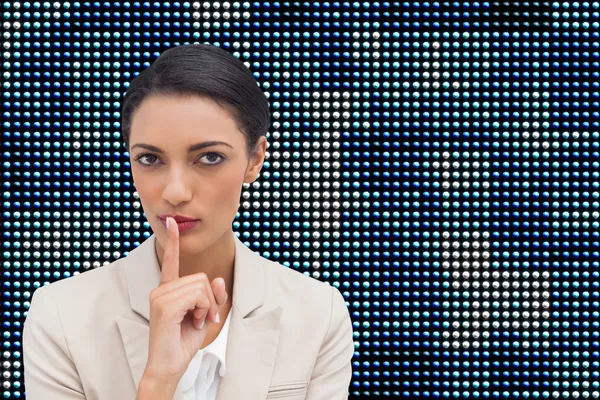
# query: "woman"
191,313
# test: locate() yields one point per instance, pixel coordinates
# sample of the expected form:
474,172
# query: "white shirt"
201,379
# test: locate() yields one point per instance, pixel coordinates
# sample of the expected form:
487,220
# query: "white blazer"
86,336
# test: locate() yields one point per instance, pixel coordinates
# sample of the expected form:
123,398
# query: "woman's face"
203,183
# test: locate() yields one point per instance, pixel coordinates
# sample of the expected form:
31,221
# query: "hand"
179,308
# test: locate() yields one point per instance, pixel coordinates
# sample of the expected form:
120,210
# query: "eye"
138,158
212,155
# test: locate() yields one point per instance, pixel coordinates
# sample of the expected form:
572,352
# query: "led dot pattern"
436,161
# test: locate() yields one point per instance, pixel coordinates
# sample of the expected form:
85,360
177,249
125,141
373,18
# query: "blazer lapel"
253,331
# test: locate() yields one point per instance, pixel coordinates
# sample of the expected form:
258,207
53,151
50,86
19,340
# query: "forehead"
184,118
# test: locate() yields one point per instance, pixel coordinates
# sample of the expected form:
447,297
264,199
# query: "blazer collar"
253,331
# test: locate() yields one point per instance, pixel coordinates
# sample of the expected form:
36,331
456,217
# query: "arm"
49,371
332,373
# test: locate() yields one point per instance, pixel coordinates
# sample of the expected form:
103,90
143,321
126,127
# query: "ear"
256,160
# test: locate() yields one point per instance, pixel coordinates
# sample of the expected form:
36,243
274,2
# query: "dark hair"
206,71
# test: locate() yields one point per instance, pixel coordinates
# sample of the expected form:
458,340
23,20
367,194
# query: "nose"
177,190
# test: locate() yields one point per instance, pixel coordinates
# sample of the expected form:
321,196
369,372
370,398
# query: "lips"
182,226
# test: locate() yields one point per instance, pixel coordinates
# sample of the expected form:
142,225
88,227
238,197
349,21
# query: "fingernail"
167,222
202,324
218,318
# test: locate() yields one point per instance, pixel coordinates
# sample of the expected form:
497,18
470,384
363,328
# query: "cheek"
229,191
226,193
145,187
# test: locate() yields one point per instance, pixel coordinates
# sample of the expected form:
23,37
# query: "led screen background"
438,162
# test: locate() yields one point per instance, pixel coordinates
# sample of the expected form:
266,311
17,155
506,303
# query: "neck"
215,261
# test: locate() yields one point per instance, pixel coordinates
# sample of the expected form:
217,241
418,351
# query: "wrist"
152,387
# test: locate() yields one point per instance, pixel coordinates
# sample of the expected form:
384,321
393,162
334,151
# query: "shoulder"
85,293
302,294
291,282
101,279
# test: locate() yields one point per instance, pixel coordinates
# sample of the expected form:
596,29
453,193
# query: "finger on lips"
170,272
170,266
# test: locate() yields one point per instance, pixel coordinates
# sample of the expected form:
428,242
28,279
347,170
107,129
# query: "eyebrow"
194,147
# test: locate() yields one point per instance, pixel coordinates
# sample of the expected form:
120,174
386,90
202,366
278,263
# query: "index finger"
169,270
